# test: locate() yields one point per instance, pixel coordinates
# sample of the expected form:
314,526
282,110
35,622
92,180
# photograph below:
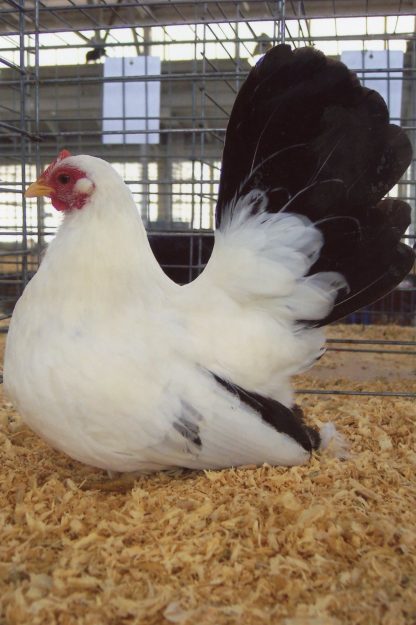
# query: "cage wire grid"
54,60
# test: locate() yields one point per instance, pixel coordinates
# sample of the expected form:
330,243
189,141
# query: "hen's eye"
64,178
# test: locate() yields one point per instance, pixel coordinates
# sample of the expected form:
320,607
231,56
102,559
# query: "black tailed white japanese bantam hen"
119,367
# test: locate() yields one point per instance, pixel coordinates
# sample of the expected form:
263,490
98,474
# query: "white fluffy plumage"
121,368
111,362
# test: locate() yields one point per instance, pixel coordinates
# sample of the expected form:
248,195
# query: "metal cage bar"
53,98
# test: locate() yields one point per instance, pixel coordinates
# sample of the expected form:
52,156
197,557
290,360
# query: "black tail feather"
306,132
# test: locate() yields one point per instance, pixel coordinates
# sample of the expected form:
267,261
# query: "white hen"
119,367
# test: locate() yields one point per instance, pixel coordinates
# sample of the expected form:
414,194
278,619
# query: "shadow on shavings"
329,543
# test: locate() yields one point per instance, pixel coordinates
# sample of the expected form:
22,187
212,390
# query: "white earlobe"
84,185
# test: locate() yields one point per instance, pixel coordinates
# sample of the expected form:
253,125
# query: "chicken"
119,367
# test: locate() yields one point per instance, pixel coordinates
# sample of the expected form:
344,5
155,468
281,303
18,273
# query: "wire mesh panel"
149,88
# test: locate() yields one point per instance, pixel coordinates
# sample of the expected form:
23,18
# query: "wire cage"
149,87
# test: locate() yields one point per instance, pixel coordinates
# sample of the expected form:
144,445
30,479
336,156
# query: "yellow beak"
38,188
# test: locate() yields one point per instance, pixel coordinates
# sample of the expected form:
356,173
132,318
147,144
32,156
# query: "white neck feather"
101,256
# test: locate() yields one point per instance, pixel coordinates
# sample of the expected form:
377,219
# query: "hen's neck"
101,256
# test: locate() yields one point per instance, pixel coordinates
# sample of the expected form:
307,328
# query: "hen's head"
68,181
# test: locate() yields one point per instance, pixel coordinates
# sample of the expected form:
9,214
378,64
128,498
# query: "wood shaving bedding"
329,543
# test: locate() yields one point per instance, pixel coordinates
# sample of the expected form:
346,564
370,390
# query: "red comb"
62,154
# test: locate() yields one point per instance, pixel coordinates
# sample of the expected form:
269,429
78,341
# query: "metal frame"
34,124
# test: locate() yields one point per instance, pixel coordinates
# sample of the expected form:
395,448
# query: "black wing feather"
282,419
